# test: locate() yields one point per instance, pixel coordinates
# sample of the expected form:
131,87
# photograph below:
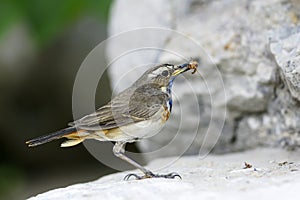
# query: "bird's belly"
143,129
139,130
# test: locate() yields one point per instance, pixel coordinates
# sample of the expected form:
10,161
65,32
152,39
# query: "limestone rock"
237,75
270,174
286,49
284,110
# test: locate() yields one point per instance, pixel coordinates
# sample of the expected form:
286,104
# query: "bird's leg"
119,151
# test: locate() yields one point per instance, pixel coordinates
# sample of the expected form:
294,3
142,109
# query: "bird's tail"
53,136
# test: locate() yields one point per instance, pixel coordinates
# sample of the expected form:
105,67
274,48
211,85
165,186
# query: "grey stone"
284,110
237,81
286,50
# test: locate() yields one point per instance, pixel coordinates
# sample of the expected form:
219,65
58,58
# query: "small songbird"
136,113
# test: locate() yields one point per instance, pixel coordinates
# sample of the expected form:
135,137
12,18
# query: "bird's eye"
165,73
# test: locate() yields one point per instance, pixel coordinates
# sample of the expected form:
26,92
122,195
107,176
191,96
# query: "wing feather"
130,106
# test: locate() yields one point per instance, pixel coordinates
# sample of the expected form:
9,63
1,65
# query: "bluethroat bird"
135,113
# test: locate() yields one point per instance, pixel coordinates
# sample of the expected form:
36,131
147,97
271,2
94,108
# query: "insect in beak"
193,65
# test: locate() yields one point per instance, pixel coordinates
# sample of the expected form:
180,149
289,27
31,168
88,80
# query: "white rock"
273,173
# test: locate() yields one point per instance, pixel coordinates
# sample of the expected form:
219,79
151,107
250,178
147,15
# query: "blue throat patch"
169,90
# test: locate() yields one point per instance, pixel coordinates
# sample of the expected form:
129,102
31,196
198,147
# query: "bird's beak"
185,67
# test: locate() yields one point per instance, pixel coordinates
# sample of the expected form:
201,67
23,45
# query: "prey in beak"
193,65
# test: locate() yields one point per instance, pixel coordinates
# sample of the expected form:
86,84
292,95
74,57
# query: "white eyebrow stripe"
159,71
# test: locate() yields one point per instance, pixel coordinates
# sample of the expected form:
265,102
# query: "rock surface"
274,174
285,110
286,48
239,74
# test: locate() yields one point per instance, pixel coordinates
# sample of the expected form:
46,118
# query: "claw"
151,175
171,175
127,177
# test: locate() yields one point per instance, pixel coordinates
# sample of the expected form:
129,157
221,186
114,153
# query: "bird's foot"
149,174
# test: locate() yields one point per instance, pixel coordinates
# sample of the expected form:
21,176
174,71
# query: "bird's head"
164,75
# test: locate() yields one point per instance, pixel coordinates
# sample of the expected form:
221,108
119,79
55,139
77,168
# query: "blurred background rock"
253,44
42,44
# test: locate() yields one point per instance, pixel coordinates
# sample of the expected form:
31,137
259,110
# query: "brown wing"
132,105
